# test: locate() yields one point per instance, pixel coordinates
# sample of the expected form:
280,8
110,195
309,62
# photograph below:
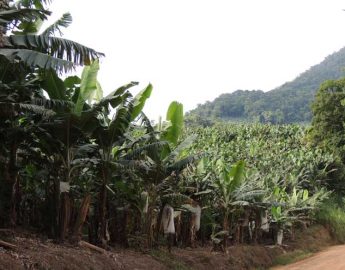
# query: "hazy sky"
194,50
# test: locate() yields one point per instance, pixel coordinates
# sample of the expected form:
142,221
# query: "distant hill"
289,103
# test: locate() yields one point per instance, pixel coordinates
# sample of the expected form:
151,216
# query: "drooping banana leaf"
53,85
117,96
24,14
48,52
64,21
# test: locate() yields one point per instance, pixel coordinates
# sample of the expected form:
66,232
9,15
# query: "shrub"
332,215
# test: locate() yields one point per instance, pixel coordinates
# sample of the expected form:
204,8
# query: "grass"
292,257
332,215
316,238
168,260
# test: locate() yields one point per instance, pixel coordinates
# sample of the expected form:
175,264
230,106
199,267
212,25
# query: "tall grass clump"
332,215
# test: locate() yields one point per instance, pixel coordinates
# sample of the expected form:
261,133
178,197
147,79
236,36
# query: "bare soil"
32,252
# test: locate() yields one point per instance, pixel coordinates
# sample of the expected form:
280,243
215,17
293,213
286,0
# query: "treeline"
289,103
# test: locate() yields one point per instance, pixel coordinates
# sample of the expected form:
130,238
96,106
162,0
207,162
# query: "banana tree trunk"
14,200
103,207
280,233
65,215
82,214
194,224
192,232
226,228
257,226
152,229
13,184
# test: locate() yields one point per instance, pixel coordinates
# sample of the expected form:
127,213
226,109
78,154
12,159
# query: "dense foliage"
72,160
329,117
327,129
332,215
26,59
289,103
280,167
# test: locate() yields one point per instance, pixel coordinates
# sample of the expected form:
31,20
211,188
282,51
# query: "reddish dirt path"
332,258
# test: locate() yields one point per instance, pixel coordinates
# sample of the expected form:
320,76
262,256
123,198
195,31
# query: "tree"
329,116
327,129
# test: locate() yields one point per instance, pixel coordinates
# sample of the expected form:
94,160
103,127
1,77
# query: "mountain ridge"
288,103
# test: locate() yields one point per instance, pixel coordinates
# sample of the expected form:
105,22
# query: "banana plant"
229,178
163,157
110,135
290,208
88,118
233,190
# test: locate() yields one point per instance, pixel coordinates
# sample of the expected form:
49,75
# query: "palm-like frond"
146,138
25,14
48,52
53,103
32,3
63,22
7,108
121,120
148,149
37,59
248,195
146,122
35,109
132,164
182,164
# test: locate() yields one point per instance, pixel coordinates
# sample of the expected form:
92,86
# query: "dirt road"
332,258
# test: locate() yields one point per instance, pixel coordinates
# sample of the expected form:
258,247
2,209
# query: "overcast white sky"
194,50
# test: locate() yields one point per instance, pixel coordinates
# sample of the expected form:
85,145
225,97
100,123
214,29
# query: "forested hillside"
288,103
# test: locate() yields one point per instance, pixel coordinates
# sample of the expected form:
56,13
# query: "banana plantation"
79,165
